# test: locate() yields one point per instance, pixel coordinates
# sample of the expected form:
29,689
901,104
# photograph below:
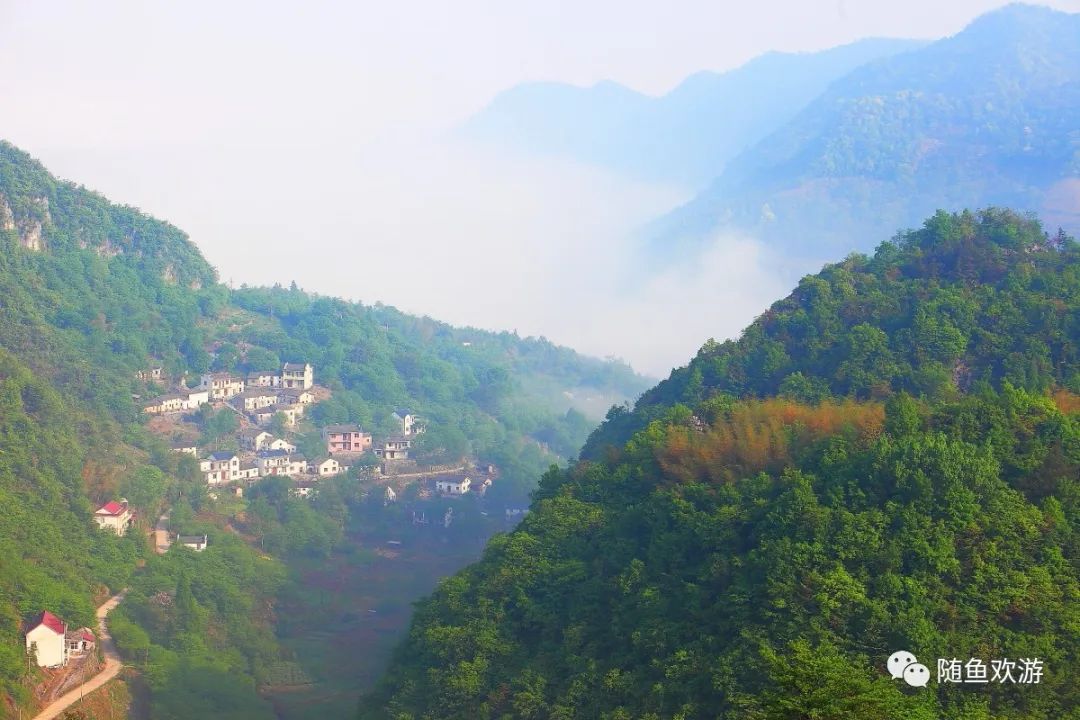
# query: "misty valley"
223,496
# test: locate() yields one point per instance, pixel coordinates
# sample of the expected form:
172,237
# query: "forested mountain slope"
887,459
91,293
684,136
986,117
968,298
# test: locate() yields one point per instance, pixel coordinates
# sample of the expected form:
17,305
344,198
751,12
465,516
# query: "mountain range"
817,155
684,136
987,117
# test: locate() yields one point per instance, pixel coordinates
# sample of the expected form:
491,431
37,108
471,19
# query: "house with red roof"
46,640
115,516
79,642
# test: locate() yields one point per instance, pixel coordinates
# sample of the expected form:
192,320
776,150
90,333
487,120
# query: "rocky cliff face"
7,218
29,229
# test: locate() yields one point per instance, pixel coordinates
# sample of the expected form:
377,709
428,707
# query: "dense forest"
91,293
887,459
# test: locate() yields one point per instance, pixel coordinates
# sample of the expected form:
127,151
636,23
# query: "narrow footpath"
161,535
112,665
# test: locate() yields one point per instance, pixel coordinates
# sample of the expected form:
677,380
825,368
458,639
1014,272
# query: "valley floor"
347,615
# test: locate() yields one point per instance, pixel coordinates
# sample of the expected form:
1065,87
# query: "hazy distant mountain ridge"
987,117
684,136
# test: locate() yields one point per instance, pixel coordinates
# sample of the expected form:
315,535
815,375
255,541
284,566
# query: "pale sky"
263,127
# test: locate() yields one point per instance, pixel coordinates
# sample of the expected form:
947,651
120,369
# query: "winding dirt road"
112,665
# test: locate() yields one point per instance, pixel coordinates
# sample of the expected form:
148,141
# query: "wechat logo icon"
903,664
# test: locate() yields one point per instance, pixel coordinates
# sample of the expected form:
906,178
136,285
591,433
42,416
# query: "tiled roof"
220,455
457,479
273,453
82,634
259,392
345,428
111,508
50,621
296,366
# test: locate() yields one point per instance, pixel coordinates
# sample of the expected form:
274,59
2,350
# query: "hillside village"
265,400
257,399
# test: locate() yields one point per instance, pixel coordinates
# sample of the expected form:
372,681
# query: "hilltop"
888,458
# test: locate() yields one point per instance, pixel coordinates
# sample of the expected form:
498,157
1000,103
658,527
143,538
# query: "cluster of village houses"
258,397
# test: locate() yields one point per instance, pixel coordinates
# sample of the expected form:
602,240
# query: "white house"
170,403
195,542
411,424
191,450
255,439
221,385
272,462
46,638
297,375
327,467
292,413
278,444
196,398
394,448
453,484
297,396
255,399
249,470
304,488
298,465
115,516
221,467
262,379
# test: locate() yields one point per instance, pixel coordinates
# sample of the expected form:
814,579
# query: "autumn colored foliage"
762,435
